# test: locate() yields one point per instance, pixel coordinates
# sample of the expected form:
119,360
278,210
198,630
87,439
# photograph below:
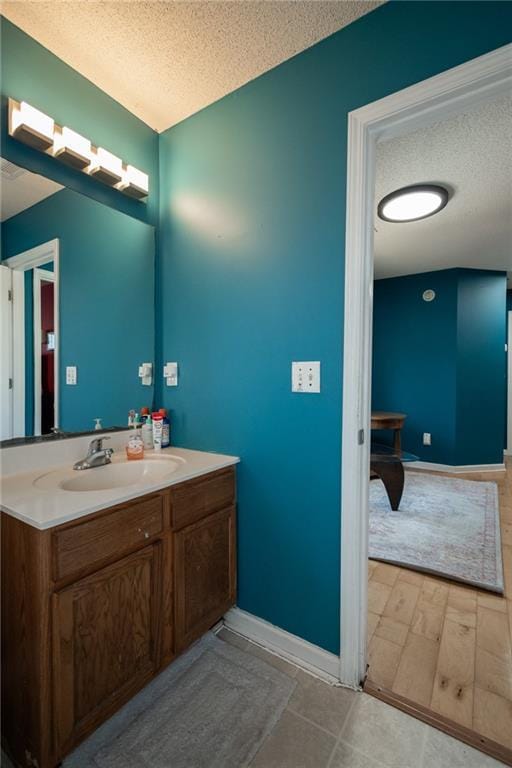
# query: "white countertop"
45,507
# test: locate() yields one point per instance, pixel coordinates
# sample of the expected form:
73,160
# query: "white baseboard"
461,468
290,647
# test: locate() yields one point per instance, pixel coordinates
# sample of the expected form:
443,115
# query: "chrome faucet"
97,455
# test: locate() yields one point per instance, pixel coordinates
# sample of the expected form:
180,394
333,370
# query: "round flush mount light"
413,203
429,295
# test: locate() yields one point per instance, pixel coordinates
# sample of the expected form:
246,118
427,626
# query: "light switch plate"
71,374
306,377
171,374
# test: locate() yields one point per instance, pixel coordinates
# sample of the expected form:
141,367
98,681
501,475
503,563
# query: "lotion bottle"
157,431
166,428
147,432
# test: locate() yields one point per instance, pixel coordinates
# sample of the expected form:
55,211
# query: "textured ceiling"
166,60
472,154
20,189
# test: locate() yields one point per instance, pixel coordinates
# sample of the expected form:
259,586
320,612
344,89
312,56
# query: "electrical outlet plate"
171,374
71,374
427,438
306,377
146,374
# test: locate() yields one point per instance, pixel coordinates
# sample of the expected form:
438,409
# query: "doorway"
432,101
44,350
30,304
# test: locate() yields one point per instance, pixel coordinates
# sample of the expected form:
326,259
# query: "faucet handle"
96,445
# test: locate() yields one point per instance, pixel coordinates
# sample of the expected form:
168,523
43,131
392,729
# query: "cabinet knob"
146,535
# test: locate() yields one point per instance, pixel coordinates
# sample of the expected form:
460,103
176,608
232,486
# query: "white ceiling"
165,60
20,189
472,154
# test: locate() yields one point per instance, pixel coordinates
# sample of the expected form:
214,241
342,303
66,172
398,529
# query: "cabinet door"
205,574
105,630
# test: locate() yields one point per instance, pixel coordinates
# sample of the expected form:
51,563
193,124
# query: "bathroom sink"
115,475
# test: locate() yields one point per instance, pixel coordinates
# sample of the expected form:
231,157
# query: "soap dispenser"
135,446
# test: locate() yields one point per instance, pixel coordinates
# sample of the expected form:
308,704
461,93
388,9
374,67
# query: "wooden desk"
389,420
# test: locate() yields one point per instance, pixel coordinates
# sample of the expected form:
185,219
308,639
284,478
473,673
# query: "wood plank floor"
443,645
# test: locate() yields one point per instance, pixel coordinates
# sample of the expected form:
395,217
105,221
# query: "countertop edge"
134,493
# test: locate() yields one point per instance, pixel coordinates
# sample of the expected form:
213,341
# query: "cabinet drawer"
81,546
193,500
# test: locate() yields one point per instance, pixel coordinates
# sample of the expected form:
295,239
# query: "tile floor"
446,646
331,727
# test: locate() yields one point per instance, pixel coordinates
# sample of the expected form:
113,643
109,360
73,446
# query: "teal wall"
481,367
415,360
106,302
443,363
31,73
250,277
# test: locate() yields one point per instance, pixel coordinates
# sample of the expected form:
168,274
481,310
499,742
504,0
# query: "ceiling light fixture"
418,201
30,125
33,127
106,166
135,183
71,147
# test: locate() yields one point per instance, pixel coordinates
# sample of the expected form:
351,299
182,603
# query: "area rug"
212,708
445,526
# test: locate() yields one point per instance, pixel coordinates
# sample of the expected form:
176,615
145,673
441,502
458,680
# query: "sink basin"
115,475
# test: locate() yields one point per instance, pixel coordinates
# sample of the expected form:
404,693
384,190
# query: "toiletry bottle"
166,428
131,418
144,411
157,431
135,446
147,432
97,425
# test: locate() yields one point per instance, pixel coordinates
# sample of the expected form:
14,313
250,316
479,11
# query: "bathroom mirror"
77,308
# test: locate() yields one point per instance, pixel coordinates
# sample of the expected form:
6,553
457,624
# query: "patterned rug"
445,526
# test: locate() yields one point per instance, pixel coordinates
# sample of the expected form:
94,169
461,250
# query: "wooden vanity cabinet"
92,610
205,574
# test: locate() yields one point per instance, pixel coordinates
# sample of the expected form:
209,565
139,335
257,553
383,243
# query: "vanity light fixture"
30,125
134,183
105,166
71,147
33,127
412,203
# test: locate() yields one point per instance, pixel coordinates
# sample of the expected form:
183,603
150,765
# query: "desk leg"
392,475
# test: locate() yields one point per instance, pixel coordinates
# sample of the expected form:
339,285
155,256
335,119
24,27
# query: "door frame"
20,263
430,101
6,352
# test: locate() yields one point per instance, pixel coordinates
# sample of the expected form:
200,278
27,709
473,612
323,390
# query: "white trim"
6,357
283,644
31,259
454,468
18,366
34,257
423,104
39,276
